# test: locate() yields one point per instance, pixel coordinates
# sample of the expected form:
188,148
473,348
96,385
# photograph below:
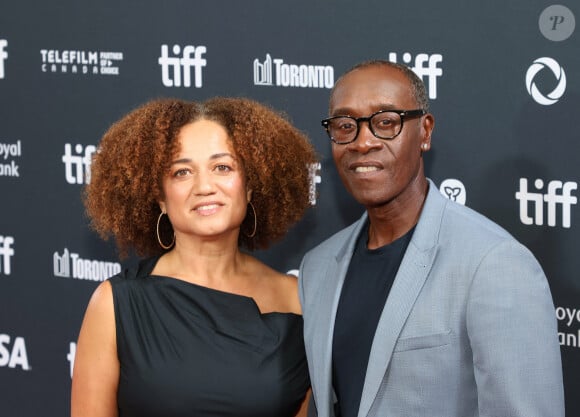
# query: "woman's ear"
249,195
162,206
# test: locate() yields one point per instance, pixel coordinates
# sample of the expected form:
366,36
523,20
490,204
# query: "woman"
199,328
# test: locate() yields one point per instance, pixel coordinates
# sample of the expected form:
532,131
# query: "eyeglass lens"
384,125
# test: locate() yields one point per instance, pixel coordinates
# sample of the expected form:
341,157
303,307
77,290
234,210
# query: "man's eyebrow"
344,111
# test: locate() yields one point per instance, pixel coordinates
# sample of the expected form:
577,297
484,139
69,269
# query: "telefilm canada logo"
275,72
552,204
178,65
71,265
426,66
84,62
3,57
9,152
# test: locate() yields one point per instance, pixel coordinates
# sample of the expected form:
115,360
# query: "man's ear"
428,123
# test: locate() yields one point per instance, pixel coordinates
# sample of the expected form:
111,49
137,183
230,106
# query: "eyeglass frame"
403,114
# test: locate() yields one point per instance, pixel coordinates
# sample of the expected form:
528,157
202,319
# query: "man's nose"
365,140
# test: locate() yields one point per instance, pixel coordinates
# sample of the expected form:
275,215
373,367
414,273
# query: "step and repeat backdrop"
504,84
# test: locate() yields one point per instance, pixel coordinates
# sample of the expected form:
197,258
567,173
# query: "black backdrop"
504,79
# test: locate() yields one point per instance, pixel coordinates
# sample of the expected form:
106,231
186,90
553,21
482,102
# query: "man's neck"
389,222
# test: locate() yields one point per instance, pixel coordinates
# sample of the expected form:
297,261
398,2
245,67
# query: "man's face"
379,171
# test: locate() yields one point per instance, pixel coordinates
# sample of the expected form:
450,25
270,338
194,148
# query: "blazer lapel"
334,276
409,280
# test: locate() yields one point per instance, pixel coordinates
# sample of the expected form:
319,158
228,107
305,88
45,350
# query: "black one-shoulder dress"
188,350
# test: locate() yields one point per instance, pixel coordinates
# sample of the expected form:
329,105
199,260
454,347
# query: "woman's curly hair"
136,152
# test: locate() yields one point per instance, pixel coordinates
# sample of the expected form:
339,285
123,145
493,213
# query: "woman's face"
205,188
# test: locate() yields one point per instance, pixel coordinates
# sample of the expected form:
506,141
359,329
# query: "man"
422,307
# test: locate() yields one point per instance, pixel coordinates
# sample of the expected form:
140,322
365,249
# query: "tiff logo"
425,66
6,252
78,166
315,178
173,68
558,193
70,357
3,56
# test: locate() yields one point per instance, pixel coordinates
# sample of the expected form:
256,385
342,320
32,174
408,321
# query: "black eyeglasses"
384,124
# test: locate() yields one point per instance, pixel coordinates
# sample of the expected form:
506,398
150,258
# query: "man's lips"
362,167
366,169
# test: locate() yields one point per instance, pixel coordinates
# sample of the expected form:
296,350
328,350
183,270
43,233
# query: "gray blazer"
468,329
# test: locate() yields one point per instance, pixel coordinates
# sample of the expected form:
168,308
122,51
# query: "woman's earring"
159,236
255,220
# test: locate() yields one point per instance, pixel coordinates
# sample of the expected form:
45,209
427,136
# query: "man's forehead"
375,72
379,88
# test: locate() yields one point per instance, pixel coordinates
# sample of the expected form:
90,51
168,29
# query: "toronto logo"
276,72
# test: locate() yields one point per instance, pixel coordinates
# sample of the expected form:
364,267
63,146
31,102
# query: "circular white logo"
538,65
454,190
557,23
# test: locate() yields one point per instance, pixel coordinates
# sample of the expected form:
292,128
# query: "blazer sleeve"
511,325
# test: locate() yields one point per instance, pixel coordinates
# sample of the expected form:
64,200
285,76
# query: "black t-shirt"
367,284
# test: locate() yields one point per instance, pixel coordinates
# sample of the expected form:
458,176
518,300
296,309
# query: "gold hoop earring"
159,237
255,220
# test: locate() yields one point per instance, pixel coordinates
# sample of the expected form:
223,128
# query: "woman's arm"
303,412
96,367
